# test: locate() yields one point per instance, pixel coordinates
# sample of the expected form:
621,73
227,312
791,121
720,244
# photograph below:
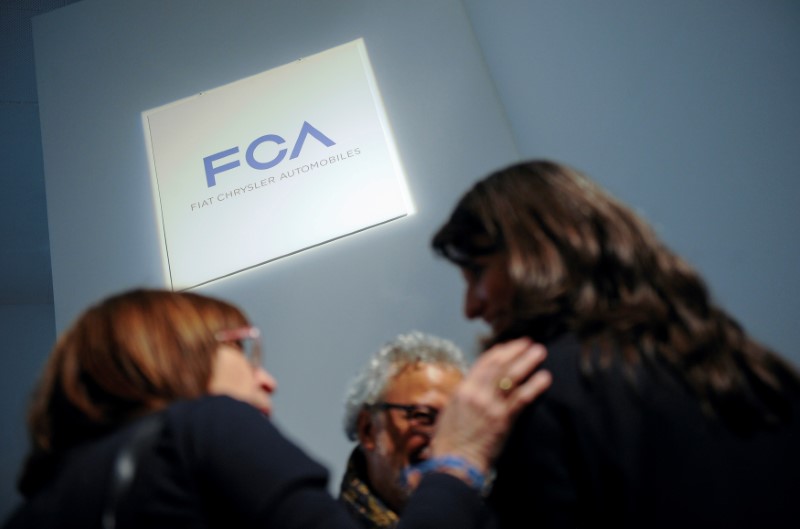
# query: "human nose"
474,302
266,381
425,431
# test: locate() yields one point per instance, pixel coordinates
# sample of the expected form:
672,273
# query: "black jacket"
633,449
218,463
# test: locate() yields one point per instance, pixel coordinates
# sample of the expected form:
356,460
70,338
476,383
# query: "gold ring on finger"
505,384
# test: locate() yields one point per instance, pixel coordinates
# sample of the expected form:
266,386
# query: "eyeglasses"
246,339
415,414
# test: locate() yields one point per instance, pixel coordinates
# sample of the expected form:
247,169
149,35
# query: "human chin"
419,453
263,404
265,410
499,324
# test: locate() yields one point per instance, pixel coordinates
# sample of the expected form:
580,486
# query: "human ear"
365,428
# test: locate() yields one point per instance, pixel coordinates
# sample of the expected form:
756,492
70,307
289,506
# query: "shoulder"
594,394
588,374
215,422
210,404
563,361
230,447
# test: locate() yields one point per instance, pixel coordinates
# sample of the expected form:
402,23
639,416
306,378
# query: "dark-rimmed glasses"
415,414
246,339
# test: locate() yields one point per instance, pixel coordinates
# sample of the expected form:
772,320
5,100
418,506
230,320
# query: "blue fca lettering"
250,155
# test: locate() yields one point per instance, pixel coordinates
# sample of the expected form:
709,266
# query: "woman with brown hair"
152,411
663,411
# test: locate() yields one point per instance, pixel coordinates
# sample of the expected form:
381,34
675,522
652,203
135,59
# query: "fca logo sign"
250,156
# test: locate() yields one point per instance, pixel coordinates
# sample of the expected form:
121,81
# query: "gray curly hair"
405,349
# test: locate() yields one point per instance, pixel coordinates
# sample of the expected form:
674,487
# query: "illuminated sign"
212,171
271,165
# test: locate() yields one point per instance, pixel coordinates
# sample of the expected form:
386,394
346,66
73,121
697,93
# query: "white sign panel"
273,164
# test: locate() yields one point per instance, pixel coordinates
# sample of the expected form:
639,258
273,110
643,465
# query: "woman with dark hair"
663,411
152,411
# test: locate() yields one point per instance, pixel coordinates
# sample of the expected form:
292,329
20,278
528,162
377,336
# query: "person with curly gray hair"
390,410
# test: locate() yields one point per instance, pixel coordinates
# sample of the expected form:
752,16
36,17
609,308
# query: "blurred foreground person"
663,411
152,411
391,410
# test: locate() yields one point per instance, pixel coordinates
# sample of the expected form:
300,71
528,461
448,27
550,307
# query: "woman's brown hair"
583,262
131,354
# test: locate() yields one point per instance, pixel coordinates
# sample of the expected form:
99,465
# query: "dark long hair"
583,262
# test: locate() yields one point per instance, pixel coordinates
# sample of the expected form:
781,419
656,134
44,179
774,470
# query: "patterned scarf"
359,500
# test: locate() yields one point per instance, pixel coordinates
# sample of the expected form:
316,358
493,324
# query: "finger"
505,352
520,368
496,361
522,365
529,390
